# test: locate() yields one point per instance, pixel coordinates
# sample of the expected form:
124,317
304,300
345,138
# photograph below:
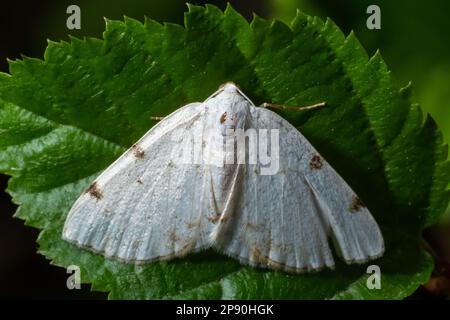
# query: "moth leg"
281,107
156,118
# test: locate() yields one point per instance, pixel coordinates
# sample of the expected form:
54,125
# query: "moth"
148,205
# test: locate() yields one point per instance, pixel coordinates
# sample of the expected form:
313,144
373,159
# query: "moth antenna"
156,118
281,107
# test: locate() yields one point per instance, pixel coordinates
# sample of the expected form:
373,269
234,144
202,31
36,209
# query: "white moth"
148,207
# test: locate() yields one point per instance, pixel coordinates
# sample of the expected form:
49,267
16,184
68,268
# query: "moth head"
230,108
229,87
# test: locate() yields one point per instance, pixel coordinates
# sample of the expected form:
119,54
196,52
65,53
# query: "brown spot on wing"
223,117
258,258
94,191
138,152
191,225
316,162
256,255
174,237
356,205
187,248
224,219
214,219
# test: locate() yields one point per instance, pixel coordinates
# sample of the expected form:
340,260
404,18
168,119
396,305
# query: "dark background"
414,40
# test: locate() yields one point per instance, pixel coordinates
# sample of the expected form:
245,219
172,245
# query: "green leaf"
65,119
